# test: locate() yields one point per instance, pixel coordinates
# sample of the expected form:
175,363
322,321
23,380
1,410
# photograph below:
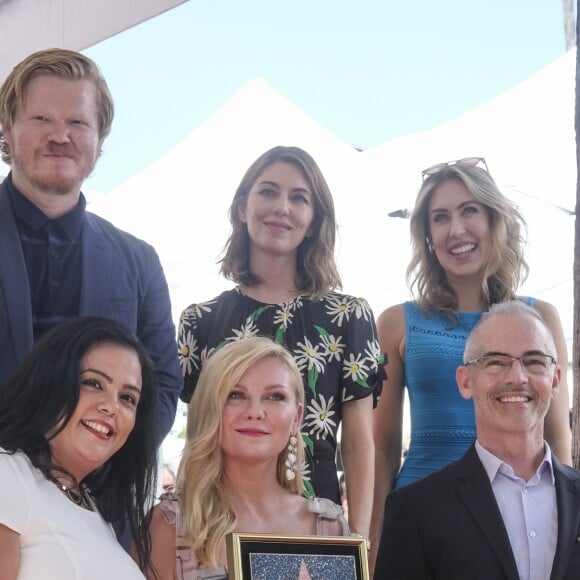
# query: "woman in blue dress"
281,256
468,253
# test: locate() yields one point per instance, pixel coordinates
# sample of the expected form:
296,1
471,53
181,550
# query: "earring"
291,465
430,245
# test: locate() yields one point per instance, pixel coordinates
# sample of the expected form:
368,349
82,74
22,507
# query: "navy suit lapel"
96,269
474,489
14,279
568,500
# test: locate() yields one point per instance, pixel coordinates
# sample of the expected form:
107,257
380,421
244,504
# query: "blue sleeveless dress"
442,421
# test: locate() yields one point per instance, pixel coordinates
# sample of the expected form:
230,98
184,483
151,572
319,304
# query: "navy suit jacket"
121,279
448,526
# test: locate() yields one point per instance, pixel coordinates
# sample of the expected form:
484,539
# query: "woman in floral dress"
280,254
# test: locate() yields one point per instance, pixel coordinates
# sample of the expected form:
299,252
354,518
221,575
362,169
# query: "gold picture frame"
273,557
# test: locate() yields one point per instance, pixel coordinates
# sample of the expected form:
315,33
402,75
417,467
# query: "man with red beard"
508,509
58,260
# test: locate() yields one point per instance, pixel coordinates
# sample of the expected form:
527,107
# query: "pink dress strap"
327,511
186,564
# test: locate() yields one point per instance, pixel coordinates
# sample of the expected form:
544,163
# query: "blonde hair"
207,514
55,62
506,267
316,266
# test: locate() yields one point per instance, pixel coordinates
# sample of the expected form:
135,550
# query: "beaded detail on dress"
442,422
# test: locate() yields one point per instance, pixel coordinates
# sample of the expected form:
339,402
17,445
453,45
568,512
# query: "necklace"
80,495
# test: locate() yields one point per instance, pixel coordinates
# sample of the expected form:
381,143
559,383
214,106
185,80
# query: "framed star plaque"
268,557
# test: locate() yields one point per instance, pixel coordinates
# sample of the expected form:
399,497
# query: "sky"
368,71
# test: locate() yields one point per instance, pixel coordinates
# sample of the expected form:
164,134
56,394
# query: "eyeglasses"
536,364
466,161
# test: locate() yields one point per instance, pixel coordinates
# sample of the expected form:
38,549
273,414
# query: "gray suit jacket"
121,279
448,526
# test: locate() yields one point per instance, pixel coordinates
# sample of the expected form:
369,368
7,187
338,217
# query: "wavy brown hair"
506,267
316,268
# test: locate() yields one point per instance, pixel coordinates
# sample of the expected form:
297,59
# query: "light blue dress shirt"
529,512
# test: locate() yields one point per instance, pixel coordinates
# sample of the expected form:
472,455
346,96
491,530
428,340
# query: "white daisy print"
307,355
205,354
361,308
190,315
248,330
187,352
318,419
355,368
203,307
373,352
308,489
283,315
187,318
305,468
295,304
346,397
333,346
339,307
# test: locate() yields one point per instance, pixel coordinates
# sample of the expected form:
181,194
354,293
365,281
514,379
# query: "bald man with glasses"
508,509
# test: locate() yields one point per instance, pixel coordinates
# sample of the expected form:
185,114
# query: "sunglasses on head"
466,162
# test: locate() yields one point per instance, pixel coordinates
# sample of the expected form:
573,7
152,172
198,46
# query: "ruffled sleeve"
188,351
191,347
169,506
363,370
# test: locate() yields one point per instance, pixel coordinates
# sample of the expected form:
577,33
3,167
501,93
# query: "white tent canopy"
180,202
30,25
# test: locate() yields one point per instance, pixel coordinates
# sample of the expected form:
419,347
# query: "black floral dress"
334,343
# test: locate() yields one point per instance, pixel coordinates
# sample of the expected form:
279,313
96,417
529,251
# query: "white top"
58,539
